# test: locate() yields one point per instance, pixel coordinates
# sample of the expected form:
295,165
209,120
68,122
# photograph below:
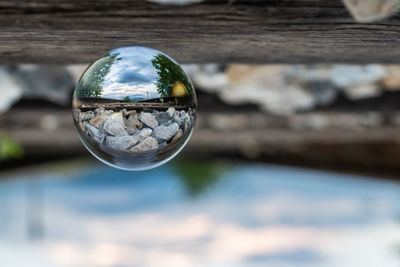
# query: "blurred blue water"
85,214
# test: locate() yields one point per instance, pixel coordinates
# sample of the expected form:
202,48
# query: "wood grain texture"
253,31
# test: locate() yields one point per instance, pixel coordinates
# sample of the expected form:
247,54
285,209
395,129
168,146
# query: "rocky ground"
129,131
274,89
287,89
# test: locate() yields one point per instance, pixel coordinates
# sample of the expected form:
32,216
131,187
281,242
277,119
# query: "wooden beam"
259,137
252,31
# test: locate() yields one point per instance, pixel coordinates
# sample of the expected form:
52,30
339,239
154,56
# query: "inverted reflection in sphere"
134,108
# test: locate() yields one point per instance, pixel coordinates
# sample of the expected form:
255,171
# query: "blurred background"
289,165
292,164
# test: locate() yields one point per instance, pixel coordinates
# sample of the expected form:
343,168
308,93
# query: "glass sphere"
134,108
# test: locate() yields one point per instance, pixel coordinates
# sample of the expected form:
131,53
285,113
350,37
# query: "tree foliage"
198,176
91,84
10,148
126,98
168,73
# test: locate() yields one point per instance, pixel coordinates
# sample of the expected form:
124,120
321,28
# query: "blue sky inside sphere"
133,75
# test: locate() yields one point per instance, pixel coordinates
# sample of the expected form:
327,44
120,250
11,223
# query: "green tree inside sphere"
168,73
92,84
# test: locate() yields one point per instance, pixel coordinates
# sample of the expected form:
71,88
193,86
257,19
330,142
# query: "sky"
253,216
133,76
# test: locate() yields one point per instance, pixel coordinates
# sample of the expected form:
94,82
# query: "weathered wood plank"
253,31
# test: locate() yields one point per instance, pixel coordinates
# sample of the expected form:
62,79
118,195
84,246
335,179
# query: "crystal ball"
134,108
